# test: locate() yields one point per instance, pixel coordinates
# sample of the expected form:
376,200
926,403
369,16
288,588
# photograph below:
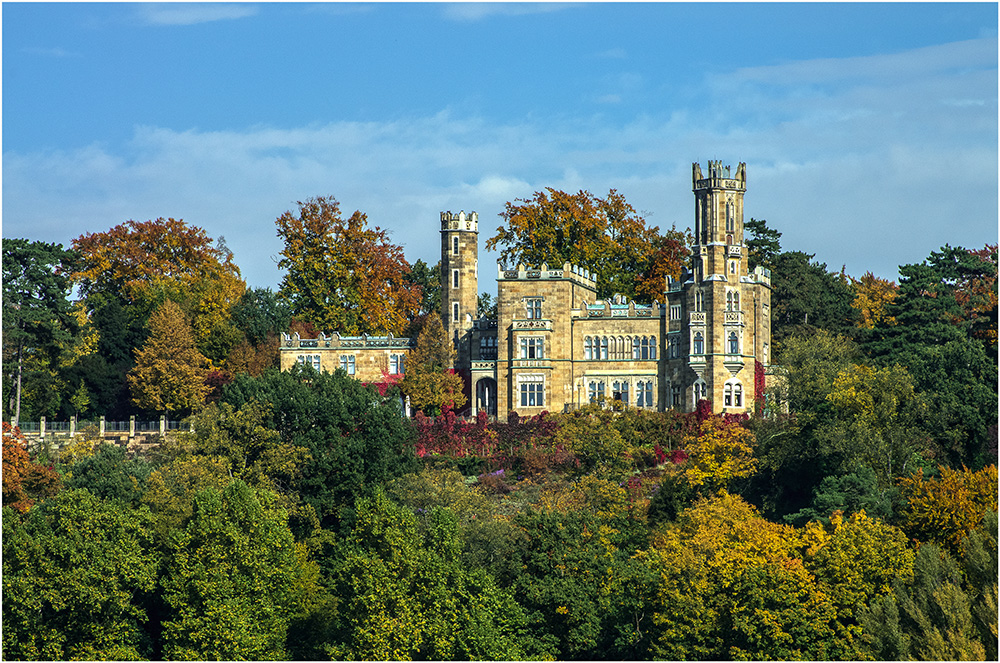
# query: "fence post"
131,427
41,428
163,425
102,425
72,427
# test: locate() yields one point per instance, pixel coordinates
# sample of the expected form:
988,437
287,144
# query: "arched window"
698,346
736,301
730,217
727,395
729,301
734,343
645,348
619,391
622,354
604,347
588,348
613,348
636,348
738,395
652,347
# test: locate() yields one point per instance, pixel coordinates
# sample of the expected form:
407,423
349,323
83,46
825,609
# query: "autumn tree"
169,375
604,235
429,380
343,275
872,296
719,454
146,263
37,322
24,481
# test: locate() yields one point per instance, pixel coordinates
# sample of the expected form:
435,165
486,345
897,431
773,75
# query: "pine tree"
429,383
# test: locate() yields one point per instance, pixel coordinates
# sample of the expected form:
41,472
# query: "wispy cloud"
52,52
477,11
192,13
871,172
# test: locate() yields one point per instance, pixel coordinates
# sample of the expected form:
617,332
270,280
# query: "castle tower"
459,278
720,312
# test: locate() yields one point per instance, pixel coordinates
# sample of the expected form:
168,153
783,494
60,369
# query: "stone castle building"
556,346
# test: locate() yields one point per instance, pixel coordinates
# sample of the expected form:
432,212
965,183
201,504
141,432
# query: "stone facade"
556,346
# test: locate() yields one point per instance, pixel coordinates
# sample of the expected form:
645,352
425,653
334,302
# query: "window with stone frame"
619,391
532,347
396,364
347,363
644,394
595,391
588,348
734,343
532,394
454,246
534,308
310,360
698,344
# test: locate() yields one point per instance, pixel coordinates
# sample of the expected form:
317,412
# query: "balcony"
733,318
734,251
697,317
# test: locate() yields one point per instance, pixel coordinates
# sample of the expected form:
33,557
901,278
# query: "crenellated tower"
459,278
720,311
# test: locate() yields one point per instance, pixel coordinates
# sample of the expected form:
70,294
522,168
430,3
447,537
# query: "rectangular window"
619,391
454,246
396,364
532,394
604,347
347,363
595,391
675,395
675,311
532,347
310,360
534,309
644,393
454,278
454,312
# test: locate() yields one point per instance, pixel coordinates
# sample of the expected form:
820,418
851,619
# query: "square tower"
719,311
459,279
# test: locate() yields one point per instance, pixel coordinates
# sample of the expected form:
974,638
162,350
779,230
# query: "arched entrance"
486,396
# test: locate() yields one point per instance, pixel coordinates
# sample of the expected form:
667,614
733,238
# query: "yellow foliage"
720,453
872,297
946,509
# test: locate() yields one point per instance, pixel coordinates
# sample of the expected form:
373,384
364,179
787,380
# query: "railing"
697,317
734,251
61,429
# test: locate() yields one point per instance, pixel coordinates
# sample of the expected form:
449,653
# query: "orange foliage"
24,482
944,510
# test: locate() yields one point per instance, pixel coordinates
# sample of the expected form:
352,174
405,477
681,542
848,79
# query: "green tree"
260,313
805,297
429,380
37,322
76,571
763,244
356,439
230,579
407,595
342,275
109,474
937,337
169,374
876,421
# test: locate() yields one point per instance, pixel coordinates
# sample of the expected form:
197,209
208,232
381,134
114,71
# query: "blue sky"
869,130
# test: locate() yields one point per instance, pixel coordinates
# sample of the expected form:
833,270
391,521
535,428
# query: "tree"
76,571
110,475
945,509
603,235
260,313
872,296
342,275
428,280
37,318
24,481
429,381
407,595
486,306
937,338
146,263
806,296
169,375
719,454
230,579
763,244
356,439
876,421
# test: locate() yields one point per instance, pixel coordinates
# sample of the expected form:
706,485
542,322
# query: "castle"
556,346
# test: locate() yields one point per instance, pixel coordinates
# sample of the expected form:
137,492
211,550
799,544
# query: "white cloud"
871,172
193,13
477,11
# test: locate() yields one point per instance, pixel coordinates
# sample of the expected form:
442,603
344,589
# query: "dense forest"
851,515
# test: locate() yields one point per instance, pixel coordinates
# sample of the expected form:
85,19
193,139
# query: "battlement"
334,341
719,176
460,221
568,271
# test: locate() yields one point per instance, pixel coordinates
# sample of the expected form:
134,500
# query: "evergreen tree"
429,382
